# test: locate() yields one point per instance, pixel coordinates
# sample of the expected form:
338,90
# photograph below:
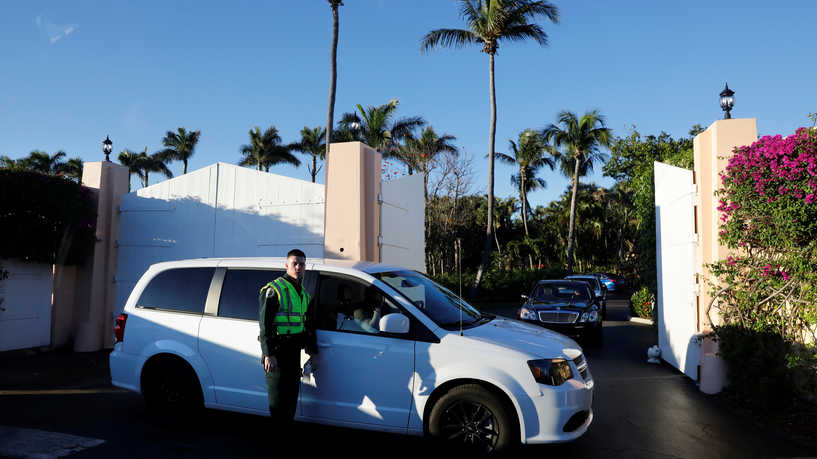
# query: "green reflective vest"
290,316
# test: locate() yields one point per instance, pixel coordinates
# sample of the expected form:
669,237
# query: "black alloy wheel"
472,417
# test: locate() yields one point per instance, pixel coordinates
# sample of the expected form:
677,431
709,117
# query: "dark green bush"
45,218
762,368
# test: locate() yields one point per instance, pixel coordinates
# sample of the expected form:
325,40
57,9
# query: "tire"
472,418
171,391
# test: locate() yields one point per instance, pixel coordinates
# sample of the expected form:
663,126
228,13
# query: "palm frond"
448,38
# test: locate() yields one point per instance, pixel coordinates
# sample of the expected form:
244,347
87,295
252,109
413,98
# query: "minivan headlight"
553,372
527,314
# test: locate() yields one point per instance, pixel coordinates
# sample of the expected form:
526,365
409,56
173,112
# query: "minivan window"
348,305
440,304
239,295
183,290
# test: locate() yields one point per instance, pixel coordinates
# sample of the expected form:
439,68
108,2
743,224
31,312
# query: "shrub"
45,219
763,369
499,285
642,303
768,286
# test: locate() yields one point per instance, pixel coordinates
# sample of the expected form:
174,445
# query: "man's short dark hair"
296,253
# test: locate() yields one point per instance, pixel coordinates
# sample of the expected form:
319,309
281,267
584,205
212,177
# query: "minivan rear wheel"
472,417
171,390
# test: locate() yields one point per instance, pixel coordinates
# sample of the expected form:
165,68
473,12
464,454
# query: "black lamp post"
727,101
107,146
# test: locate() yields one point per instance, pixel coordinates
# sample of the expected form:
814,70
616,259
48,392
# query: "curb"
639,320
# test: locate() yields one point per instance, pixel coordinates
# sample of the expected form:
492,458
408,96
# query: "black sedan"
565,306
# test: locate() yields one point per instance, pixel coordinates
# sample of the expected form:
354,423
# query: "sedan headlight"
589,316
553,372
527,314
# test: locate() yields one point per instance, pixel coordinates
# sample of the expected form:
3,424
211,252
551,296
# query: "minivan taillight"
119,328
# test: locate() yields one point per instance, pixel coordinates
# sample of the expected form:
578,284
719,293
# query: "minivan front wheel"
473,417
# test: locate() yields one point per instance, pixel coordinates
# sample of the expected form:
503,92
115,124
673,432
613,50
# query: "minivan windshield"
437,302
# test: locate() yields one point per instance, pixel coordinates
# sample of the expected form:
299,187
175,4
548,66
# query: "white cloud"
55,32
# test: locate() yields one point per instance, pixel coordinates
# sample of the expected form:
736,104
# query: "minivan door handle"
323,344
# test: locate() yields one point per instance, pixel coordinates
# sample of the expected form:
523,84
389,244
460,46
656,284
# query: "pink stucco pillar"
96,289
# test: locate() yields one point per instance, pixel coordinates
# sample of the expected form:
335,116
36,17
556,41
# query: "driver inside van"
363,316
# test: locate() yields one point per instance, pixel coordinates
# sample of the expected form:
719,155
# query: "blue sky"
74,72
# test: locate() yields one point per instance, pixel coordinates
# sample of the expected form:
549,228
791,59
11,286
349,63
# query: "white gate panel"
25,305
402,222
264,215
676,244
221,210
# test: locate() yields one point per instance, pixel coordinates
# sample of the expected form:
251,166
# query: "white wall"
219,211
402,223
676,247
25,305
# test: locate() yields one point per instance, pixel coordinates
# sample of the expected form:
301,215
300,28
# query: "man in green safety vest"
286,328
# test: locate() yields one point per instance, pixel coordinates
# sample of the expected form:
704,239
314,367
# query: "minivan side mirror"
394,323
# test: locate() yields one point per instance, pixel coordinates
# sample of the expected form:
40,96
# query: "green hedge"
499,285
45,218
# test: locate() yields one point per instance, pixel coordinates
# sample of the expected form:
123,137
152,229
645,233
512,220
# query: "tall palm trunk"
425,185
486,251
185,166
333,77
571,237
314,165
146,179
523,196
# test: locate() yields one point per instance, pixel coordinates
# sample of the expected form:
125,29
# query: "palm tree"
11,164
133,161
334,4
312,142
157,162
71,169
580,139
42,162
418,153
180,145
143,164
265,150
254,151
376,127
489,22
529,156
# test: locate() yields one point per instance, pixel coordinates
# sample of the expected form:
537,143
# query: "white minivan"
397,353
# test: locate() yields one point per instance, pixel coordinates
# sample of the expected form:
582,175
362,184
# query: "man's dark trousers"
284,382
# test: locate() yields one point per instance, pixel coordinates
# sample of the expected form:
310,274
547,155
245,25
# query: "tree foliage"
180,145
631,165
45,219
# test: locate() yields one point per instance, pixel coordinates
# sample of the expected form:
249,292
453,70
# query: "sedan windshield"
561,292
440,304
590,280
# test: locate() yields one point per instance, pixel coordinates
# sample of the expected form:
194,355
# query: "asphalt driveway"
62,404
